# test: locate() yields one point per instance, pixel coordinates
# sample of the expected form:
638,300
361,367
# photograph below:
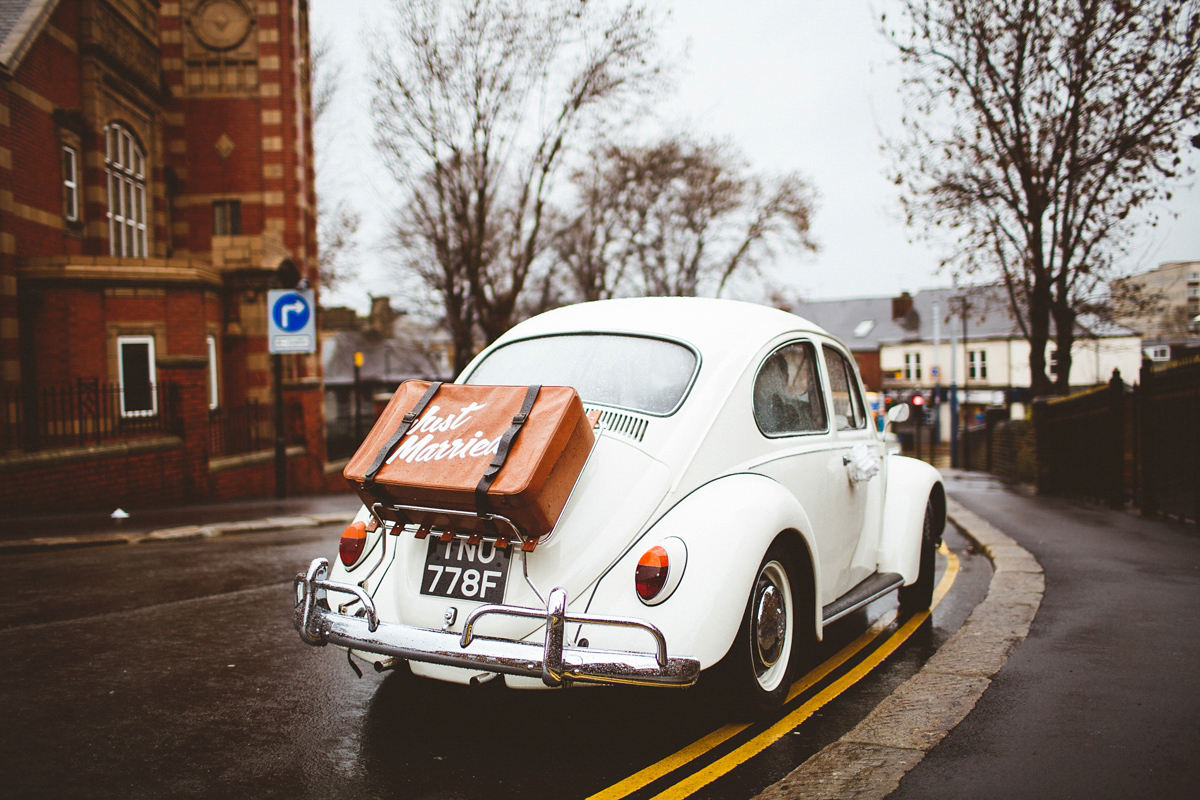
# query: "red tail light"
354,539
651,573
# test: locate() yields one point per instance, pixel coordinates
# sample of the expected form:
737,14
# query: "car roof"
712,326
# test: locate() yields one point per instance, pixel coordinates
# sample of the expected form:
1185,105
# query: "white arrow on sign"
291,308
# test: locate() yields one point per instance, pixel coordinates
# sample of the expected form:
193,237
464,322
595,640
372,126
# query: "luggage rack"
507,531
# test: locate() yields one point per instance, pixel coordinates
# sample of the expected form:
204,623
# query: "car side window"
787,392
848,409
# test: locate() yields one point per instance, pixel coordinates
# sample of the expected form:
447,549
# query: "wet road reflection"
174,671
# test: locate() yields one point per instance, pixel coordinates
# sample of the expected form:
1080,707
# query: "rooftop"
866,323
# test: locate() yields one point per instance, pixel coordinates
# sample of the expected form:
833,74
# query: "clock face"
220,24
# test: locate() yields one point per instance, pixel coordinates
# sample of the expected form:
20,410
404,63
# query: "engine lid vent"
627,425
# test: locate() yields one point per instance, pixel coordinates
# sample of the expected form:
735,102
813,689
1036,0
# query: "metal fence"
1118,443
87,412
1081,443
340,438
1168,438
249,427
237,429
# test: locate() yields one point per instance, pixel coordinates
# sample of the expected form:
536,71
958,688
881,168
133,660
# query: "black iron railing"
88,412
1117,443
237,429
1081,443
1168,428
249,427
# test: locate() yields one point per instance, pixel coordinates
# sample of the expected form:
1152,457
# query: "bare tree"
337,226
678,218
1039,133
477,103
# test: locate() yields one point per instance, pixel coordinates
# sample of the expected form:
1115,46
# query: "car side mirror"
897,413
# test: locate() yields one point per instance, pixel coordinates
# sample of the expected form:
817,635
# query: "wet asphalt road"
173,670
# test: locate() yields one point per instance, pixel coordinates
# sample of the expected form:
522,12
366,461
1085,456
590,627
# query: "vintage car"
738,498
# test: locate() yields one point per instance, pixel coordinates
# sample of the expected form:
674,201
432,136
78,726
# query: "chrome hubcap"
772,626
771,623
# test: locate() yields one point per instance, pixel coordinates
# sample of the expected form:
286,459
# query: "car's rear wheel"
918,596
759,665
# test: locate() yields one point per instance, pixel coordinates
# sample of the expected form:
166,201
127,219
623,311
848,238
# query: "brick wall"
56,327
95,478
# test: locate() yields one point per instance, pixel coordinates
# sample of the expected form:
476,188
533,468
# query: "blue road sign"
291,324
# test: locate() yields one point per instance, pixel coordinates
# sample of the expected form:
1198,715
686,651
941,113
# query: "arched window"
126,167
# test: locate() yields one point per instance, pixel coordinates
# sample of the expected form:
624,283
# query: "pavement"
196,521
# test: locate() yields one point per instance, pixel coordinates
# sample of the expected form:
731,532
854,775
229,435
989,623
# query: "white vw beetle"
737,499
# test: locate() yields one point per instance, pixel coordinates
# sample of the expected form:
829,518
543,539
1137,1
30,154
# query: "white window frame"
214,394
71,182
137,412
977,364
912,366
125,167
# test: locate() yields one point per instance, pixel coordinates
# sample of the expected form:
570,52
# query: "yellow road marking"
672,762
726,763
756,745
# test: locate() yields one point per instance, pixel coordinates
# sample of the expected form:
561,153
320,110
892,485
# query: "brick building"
156,178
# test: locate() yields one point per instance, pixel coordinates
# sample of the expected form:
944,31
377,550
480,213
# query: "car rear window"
638,373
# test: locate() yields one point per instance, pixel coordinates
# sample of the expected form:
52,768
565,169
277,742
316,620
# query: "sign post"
291,328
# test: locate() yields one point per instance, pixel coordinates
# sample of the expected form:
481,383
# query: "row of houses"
931,339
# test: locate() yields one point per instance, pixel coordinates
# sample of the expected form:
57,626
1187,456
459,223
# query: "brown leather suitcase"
442,447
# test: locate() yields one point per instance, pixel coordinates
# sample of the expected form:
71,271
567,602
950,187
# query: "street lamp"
954,423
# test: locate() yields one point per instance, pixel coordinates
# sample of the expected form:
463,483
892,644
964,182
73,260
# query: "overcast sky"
796,85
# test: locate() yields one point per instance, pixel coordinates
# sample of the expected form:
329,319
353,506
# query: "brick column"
307,475
187,397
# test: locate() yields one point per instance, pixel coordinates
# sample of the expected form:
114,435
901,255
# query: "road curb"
869,761
181,533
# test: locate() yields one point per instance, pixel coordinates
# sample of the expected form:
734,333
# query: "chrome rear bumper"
553,661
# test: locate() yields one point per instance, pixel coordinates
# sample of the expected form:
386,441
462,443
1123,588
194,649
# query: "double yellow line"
697,780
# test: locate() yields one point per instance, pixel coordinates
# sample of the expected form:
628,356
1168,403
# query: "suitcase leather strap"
402,431
506,442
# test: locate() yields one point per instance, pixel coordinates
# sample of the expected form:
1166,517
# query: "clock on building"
220,24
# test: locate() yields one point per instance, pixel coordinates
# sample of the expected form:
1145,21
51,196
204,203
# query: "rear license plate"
465,571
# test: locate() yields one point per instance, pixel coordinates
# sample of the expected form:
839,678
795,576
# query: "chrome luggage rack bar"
398,519
553,660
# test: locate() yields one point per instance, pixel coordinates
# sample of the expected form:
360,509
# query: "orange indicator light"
651,572
354,539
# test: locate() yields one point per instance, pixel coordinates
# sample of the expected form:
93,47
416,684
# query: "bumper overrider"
554,661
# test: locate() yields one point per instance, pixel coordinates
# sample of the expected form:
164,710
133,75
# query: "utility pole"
937,379
966,396
953,397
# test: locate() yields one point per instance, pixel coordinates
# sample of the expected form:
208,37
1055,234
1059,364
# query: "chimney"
382,319
901,305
